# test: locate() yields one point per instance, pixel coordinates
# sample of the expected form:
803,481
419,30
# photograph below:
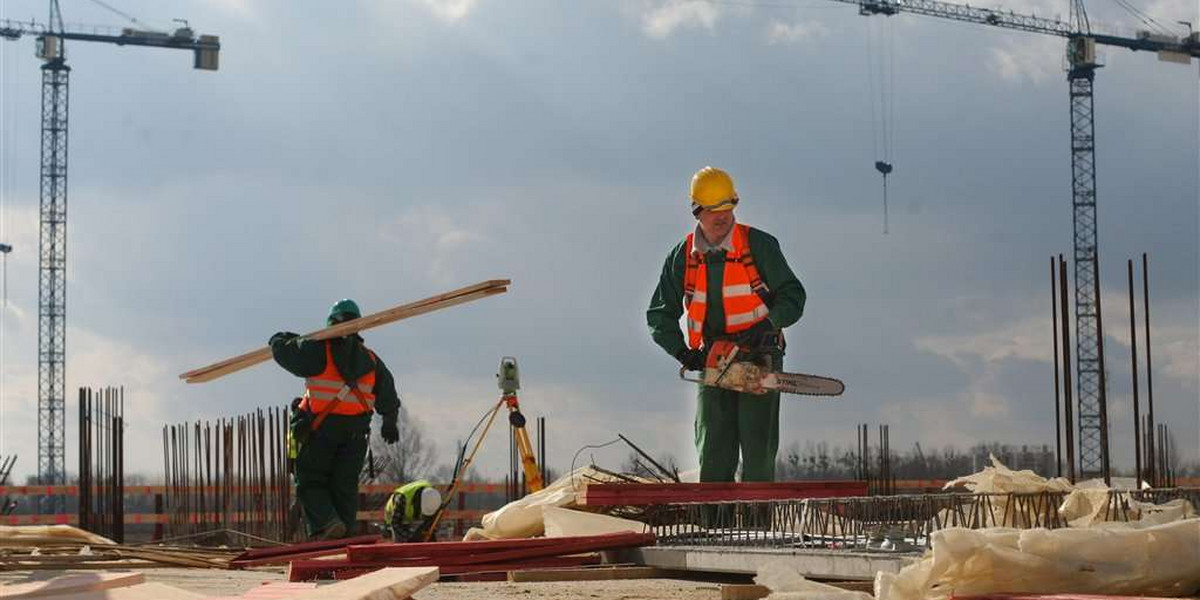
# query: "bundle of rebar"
231,475
102,461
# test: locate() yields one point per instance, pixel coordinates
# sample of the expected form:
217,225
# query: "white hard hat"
431,500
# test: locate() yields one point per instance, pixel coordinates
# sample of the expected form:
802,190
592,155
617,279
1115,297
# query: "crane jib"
1189,45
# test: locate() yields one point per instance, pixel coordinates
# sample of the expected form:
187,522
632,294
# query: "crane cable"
881,75
10,78
1144,17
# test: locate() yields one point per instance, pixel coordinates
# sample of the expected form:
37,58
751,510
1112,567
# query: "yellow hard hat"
712,189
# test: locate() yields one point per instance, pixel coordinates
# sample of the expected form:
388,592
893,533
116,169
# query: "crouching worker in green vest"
330,426
411,509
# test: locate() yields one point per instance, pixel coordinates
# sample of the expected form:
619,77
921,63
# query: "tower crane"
52,308
1081,71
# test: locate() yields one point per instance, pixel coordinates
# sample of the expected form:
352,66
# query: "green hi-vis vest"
408,494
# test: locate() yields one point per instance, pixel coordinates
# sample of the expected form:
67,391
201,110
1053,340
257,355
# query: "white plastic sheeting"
523,518
1113,558
48,535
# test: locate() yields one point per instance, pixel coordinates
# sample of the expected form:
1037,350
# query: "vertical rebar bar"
1133,364
1065,329
1154,479
1057,399
1104,460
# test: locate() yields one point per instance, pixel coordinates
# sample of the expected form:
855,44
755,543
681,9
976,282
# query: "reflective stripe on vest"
321,390
742,289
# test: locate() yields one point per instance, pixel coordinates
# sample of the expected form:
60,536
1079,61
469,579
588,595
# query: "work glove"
692,360
754,338
282,337
390,431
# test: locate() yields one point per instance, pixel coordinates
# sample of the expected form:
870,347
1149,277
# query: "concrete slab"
816,564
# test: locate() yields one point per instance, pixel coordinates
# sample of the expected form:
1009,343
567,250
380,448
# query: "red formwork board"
488,547
375,552
466,557
283,554
309,570
641,494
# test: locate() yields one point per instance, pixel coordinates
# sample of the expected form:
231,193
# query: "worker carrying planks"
738,293
345,382
330,425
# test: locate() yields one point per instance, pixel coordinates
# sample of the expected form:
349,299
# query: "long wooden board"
70,584
391,583
391,315
142,591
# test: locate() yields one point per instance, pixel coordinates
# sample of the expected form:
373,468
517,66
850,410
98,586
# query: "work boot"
334,530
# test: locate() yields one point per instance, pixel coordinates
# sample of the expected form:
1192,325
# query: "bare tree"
409,459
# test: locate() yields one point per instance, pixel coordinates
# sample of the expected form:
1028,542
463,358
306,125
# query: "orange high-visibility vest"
743,292
320,391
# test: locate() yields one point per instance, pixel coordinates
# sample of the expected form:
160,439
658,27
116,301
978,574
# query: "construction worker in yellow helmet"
733,283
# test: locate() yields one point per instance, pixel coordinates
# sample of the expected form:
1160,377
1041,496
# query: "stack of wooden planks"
459,558
643,494
112,556
391,315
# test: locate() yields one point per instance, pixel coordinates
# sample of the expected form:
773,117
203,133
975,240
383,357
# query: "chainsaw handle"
683,376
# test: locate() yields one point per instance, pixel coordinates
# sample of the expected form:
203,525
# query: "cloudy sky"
387,150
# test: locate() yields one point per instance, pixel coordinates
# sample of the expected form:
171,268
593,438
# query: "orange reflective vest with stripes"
743,292
328,392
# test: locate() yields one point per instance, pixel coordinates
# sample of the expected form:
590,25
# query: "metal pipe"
1065,329
1057,400
1154,479
1104,460
1133,363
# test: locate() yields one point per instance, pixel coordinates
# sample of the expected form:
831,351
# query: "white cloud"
660,20
1037,59
95,361
779,32
1025,339
449,10
437,236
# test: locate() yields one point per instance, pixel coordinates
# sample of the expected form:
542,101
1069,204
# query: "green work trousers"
729,422
327,470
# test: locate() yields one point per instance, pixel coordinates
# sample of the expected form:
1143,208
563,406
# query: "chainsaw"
733,367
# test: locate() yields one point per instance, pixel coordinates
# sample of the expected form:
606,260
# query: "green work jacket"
666,305
306,358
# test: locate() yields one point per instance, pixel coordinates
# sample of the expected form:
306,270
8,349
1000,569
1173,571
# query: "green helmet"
341,310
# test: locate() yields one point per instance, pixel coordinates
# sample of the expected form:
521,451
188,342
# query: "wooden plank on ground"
385,584
430,549
641,494
143,591
593,574
275,590
744,592
391,315
77,583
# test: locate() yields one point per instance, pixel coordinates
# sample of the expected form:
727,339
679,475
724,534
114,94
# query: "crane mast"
1081,73
52,261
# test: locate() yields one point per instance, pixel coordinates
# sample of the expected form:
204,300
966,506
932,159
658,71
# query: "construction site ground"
213,582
